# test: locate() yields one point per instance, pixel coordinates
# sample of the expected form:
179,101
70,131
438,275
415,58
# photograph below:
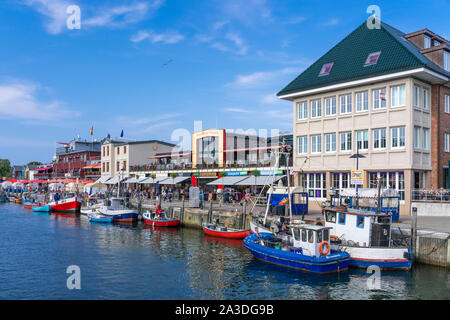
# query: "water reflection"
137,261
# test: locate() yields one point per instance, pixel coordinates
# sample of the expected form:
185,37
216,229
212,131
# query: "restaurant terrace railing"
438,195
188,166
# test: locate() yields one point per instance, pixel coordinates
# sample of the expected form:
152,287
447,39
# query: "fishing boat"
29,205
71,205
307,248
366,236
91,208
224,232
159,219
41,208
118,210
95,217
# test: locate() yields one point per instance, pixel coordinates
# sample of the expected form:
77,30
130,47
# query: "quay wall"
432,208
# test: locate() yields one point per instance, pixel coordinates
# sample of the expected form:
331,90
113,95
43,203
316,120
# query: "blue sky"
227,60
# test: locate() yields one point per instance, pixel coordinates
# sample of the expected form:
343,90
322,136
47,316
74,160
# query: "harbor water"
139,262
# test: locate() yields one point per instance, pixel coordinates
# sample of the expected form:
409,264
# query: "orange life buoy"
321,247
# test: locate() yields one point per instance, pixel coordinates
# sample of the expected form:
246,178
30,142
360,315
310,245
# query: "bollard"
414,232
244,214
182,212
210,212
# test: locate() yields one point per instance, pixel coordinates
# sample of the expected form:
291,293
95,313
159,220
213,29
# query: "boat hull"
227,234
45,208
162,222
29,205
70,206
99,218
385,258
335,262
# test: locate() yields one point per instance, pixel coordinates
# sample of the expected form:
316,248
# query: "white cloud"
259,79
219,25
148,120
20,101
29,143
331,22
238,42
167,37
238,110
219,46
112,17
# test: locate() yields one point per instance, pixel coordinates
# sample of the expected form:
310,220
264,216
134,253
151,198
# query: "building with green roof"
383,94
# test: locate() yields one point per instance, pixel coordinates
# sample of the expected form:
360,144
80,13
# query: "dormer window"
326,68
372,59
426,42
436,43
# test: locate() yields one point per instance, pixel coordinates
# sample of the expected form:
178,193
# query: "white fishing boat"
118,209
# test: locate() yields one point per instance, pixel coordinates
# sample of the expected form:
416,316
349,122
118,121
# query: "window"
426,42
416,137
346,103
426,96
330,106
425,137
326,68
316,108
103,166
330,142
379,138
303,235
330,216
118,166
416,97
310,236
319,236
447,103
362,101
326,235
302,144
447,142
372,59
314,184
104,151
446,61
302,110
360,221
436,43
346,141
296,234
398,137
362,139
125,165
124,149
316,144
341,218
379,98
340,180
398,96
118,150
394,180
107,167
107,152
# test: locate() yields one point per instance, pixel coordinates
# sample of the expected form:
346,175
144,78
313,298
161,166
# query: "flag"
382,96
220,185
194,180
92,131
121,134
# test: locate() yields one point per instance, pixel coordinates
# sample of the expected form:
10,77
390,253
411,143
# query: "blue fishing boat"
45,208
303,247
95,217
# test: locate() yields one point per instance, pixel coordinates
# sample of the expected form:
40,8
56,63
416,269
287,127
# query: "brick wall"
440,125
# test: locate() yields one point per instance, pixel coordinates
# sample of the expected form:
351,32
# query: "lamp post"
357,156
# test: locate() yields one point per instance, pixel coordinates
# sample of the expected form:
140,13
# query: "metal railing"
439,195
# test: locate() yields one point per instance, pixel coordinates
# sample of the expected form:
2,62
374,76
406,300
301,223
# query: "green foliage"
255,173
5,168
34,163
173,175
153,176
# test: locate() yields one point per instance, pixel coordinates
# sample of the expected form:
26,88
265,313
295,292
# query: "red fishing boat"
67,205
159,220
224,232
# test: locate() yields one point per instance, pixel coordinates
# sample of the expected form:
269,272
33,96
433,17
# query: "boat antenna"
277,161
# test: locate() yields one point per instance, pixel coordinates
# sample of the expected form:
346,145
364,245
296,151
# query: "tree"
34,163
173,175
5,168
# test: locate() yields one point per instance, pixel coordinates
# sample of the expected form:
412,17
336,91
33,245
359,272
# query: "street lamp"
357,156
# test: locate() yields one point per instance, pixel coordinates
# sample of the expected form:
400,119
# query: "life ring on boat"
84,195
324,253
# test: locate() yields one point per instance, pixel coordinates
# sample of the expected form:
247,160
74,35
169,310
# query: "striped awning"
102,179
260,180
227,180
152,181
175,180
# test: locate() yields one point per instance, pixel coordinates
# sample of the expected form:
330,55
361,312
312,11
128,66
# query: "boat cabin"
278,200
116,204
309,238
356,227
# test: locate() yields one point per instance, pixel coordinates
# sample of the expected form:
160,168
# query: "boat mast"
277,161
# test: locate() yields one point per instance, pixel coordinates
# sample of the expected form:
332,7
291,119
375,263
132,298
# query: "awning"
260,180
42,169
151,181
102,179
114,180
228,180
177,180
92,166
135,180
